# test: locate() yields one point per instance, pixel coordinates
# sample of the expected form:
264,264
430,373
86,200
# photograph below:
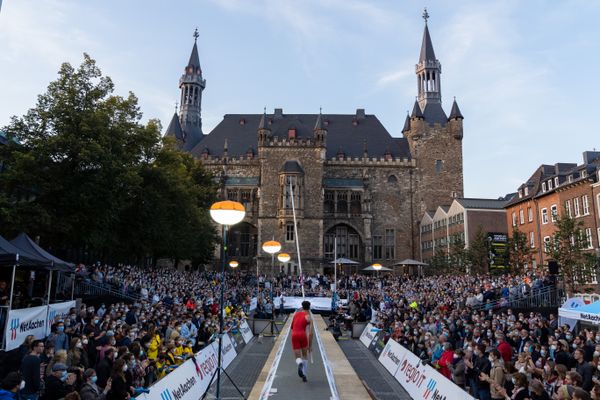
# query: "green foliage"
478,254
519,251
89,178
567,247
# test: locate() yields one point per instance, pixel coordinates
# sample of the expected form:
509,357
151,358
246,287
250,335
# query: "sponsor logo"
590,317
31,325
413,374
180,391
429,389
14,325
207,366
51,316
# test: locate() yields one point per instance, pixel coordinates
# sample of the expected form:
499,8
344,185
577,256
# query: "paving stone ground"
379,380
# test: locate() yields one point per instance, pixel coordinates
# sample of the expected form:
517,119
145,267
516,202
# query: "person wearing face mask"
119,389
11,384
75,355
59,338
59,383
497,375
90,390
30,370
104,367
458,368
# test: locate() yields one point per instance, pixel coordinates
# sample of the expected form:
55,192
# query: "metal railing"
88,288
548,296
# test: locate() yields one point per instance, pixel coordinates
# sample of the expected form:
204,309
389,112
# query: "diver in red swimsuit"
302,338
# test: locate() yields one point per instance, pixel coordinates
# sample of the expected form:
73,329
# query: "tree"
439,263
83,169
567,248
459,255
519,251
478,253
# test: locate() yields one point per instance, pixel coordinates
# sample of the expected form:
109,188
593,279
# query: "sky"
524,73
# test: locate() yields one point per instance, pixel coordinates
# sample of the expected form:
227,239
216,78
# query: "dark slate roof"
455,111
487,204
194,58
416,112
427,53
344,131
533,183
434,113
174,128
406,126
293,167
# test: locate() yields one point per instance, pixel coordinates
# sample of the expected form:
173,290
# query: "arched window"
392,179
348,243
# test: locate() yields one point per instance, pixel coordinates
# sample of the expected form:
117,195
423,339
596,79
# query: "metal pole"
73,287
221,308
49,286
12,287
335,269
296,237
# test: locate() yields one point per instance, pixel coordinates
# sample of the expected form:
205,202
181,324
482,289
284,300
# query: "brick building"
353,182
550,192
460,223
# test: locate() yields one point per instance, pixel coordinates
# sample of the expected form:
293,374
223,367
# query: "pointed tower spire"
406,127
455,112
319,122
263,131
174,130
416,112
192,85
428,71
320,131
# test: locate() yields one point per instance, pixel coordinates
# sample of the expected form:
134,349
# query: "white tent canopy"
573,311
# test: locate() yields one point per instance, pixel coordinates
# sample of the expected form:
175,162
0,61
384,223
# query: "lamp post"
224,213
283,257
271,247
377,267
233,264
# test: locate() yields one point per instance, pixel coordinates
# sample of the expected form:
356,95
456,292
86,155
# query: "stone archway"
349,245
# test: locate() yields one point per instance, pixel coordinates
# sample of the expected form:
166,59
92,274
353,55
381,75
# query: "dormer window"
250,153
544,189
556,181
570,178
550,184
292,133
520,193
583,173
526,190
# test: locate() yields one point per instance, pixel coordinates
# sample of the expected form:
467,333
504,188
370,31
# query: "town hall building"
354,184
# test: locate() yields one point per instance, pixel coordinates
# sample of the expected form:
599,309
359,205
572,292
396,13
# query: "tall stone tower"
435,140
192,85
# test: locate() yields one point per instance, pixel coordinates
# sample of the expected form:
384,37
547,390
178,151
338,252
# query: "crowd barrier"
36,321
295,302
421,381
191,379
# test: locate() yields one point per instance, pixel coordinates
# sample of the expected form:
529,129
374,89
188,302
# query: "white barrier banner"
228,352
27,321
246,332
424,382
368,335
189,381
60,310
391,356
316,303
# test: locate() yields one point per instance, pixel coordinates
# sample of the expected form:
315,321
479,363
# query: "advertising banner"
378,344
27,321
391,356
424,382
189,381
60,310
237,340
227,352
316,303
246,331
368,335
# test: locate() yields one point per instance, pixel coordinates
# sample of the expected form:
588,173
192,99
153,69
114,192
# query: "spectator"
584,369
119,390
59,338
11,384
496,374
90,390
59,383
30,371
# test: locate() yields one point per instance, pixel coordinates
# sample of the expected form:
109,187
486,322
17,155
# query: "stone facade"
353,183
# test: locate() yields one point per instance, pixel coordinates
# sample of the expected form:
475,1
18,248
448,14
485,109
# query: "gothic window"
438,166
390,244
377,247
347,241
286,197
342,203
329,202
289,232
328,246
355,203
246,198
353,246
392,179
232,194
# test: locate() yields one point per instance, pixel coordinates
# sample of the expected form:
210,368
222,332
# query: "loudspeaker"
553,267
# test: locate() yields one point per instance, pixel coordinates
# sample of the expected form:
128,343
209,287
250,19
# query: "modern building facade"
548,194
459,223
352,183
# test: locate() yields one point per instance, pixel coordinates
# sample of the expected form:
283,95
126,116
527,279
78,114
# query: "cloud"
395,76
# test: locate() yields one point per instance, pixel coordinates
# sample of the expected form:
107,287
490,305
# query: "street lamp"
224,213
271,247
377,267
233,264
283,257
